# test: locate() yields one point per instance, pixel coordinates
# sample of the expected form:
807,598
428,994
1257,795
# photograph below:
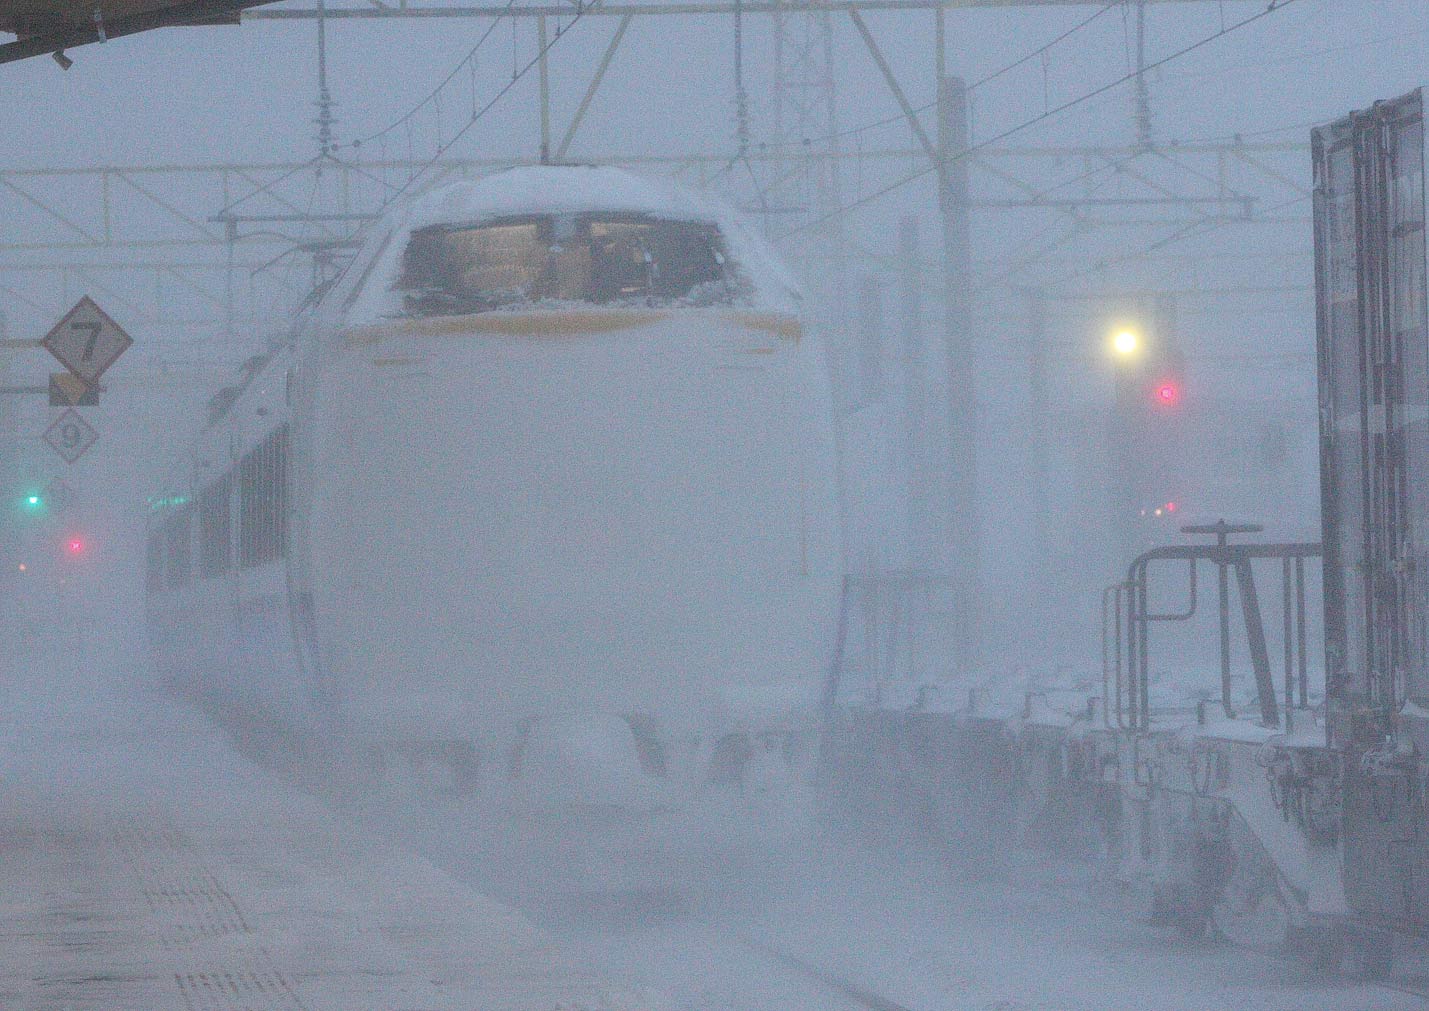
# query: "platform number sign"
70,436
86,341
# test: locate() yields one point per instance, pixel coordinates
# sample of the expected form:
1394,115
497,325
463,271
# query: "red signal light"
75,546
1168,393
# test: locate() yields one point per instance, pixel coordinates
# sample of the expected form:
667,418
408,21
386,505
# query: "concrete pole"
1038,432
1143,94
544,74
915,447
870,342
963,533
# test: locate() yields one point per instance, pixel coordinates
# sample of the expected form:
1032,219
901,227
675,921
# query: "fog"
638,509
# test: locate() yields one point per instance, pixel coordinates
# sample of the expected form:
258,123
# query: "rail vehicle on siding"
1275,791
542,492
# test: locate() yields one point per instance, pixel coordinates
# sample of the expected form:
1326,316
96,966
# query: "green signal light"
33,500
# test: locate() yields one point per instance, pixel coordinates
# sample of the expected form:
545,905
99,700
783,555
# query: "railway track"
842,985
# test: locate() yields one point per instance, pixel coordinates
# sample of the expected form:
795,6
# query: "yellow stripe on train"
553,324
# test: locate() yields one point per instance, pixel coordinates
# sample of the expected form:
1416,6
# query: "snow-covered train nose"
586,760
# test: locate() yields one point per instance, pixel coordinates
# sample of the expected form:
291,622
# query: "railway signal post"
1147,432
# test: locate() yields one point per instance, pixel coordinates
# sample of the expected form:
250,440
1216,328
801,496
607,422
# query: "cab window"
594,259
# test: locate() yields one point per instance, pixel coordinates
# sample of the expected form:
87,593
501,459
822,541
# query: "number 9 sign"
70,436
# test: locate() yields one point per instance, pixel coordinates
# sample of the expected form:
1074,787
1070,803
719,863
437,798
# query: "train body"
544,489
1374,408
1279,792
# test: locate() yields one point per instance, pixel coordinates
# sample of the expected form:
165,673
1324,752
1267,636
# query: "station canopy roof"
51,26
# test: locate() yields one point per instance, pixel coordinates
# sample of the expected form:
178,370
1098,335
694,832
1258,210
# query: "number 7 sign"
86,341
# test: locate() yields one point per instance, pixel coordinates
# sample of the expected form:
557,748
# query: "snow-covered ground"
147,866
143,858
850,921
923,938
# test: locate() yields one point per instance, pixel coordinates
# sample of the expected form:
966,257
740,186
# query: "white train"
544,487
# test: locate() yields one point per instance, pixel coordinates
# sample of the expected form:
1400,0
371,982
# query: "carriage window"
178,533
215,555
263,501
154,555
600,259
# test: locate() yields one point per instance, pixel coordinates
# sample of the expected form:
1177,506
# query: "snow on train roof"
559,189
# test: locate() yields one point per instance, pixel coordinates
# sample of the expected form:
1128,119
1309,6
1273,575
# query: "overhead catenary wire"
1274,7
442,148
1039,52
405,122
1035,249
1291,59
1190,230
742,157
477,114
469,60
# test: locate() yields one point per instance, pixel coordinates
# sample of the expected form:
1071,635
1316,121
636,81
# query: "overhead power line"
1274,7
467,60
476,116
662,9
900,117
1190,230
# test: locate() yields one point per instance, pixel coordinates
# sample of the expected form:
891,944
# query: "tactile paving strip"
280,910
189,903
190,914
238,991
195,914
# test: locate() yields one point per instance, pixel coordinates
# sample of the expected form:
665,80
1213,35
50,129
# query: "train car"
542,494
1283,812
1374,410
1199,792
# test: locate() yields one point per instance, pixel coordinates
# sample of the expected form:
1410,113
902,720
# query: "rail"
1127,619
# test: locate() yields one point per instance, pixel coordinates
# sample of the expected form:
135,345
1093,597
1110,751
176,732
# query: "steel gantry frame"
90,211
620,8
260,208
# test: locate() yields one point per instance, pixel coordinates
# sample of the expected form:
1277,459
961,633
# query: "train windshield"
593,259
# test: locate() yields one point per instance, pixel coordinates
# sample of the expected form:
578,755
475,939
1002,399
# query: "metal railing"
1127,619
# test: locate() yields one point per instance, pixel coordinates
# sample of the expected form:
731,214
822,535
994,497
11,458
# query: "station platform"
145,866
